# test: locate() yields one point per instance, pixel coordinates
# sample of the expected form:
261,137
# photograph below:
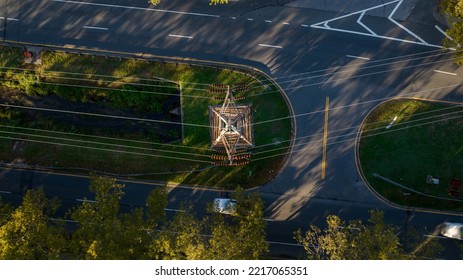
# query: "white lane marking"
286,23
136,8
268,21
447,73
174,210
5,192
250,19
304,25
374,36
271,46
233,17
435,236
403,27
285,243
12,19
95,27
359,57
268,220
88,200
359,21
181,36
443,32
324,25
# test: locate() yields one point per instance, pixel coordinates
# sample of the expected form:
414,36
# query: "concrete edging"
365,181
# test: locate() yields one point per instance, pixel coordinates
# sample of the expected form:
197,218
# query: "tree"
103,232
218,237
244,236
453,9
353,240
28,232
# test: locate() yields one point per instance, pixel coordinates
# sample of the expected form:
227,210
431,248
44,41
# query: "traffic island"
411,153
83,114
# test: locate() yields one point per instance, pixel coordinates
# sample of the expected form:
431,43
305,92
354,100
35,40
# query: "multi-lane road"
355,55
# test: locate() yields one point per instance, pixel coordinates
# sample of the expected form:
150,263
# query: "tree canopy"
453,10
355,240
105,231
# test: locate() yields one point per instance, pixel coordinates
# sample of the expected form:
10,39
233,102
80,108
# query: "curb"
184,60
365,181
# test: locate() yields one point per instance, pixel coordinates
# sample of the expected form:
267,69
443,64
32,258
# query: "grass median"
423,139
144,140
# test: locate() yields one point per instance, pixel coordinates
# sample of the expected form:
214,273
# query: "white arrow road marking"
371,33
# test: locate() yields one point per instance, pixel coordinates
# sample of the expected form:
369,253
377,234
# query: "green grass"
426,139
98,80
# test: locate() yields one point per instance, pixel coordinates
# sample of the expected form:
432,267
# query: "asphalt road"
354,58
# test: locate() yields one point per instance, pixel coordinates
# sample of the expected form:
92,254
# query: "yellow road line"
325,137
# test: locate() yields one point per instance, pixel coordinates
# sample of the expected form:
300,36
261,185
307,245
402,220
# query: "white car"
224,206
452,230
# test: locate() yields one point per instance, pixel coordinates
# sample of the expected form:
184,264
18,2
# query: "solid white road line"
271,46
359,57
12,19
135,8
403,27
268,220
95,27
443,32
447,73
181,36
359,21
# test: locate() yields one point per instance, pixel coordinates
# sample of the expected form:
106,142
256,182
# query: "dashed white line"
12,19
233,17
5,192
95,27
268,21
271,46
181,36
174,210
286,23
250,19
135,8
88,200
443,32
304,25
285,243
447,73
359,57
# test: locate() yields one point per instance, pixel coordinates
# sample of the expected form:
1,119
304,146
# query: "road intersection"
357,59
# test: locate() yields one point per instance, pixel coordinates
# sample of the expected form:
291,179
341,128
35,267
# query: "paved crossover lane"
330,59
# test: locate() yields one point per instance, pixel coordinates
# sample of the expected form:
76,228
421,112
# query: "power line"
103,149
366,63
379,128
106,138
350,139
103,143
